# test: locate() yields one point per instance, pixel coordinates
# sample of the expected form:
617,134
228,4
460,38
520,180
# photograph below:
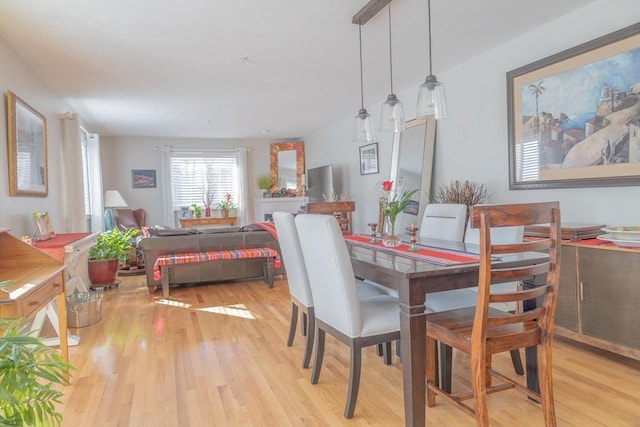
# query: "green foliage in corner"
113,244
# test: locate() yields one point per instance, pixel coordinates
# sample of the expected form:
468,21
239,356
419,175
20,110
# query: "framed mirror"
287,168
412,165
27,150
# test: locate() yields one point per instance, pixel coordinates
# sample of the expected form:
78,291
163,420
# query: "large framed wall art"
574,117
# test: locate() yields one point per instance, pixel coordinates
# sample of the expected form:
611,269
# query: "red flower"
387,185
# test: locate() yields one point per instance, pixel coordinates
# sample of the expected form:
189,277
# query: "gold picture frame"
572,117
27,149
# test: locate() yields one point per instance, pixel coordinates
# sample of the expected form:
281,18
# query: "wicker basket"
84,309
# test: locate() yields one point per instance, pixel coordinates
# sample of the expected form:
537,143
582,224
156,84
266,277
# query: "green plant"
264,182
29,370
227,203
113,244
197,210
393,206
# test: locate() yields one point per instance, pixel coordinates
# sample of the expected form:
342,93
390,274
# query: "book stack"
569,231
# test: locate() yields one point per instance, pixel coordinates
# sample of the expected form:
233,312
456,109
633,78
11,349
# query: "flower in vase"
395,203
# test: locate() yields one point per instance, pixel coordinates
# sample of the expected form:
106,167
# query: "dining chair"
444,221
298,282
482,331
339,312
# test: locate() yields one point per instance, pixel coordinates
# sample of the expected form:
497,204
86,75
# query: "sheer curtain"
243,186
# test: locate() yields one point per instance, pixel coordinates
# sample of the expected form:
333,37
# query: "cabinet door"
567,305
610,295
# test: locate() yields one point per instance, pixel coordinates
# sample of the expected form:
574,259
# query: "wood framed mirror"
27,149
287,168
412,166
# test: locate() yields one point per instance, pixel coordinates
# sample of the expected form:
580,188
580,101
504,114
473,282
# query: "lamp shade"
431,99
392,115
113,199
363,129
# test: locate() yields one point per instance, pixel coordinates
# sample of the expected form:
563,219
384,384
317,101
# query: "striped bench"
165,262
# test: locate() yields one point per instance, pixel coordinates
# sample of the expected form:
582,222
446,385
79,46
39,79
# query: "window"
196,176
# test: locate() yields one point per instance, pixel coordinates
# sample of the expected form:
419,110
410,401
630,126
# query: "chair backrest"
444,221
297,277
333,283
128,218
492,216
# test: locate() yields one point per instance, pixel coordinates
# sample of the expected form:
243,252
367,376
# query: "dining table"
435,266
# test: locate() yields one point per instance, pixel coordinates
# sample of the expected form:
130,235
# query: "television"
320,183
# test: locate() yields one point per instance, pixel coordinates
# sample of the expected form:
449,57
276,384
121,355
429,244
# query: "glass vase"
390,239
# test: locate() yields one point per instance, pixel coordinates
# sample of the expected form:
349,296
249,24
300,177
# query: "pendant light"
431,93
363,130
392,112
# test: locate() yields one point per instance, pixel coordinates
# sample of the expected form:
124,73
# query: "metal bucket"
84,309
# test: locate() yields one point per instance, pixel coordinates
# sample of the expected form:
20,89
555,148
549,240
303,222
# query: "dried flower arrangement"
467,193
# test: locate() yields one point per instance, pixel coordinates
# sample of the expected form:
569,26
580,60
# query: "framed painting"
43,227
27,149
369,159
574,117
143,178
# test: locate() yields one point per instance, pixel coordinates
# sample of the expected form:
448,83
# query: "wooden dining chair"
298,282
356,322
482,331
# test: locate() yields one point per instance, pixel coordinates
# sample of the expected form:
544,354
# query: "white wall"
16,212
472,142
120,155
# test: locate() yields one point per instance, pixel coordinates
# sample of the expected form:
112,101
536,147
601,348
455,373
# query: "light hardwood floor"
216,355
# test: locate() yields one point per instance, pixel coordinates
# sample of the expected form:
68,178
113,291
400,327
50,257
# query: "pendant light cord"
361,84
429,16
390,58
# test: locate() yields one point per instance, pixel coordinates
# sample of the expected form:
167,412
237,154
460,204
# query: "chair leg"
446,362
308,346
479,385
546,385
517,362
386,353
305,325
398,350
354,379
293,324
379,350
431,371
317,364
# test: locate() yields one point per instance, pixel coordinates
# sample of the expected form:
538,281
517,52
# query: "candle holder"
413,231
373,226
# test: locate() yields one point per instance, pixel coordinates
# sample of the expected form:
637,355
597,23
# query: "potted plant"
227,204
29,370
111,248
264,184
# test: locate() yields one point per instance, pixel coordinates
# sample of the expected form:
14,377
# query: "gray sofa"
171,241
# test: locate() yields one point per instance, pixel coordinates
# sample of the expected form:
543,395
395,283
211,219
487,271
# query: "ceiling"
246,68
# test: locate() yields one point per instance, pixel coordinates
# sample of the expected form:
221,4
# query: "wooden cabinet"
599,298
341,210
208,221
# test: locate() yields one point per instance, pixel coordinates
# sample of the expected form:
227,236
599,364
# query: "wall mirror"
411,167
287,168
27,149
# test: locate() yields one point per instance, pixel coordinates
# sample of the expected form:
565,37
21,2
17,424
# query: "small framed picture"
369,159
184,212
143,178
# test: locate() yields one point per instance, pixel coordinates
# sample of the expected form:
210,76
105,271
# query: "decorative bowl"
624,232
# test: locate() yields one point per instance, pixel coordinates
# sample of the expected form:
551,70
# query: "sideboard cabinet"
599,298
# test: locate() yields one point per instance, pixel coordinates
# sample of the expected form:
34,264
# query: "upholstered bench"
165,262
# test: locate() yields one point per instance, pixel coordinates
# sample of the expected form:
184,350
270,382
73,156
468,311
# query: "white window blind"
194,173
527,161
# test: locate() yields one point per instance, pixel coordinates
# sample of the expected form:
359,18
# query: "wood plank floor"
216,355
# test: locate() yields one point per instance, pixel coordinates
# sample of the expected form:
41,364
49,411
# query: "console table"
199,222
36,280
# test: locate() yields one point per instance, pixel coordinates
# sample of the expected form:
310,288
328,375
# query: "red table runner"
432,255
191,257
55,247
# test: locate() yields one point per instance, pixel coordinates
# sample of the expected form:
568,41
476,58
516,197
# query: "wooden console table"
36,279
199,222
341,210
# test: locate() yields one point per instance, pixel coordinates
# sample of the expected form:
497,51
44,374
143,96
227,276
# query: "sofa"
172,241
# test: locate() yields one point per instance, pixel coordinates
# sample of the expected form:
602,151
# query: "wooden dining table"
414,279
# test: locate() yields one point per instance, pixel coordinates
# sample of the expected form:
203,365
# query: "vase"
207,212
225,213
390,239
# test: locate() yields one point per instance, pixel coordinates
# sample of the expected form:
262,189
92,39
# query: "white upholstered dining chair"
338,311
298,282
444,221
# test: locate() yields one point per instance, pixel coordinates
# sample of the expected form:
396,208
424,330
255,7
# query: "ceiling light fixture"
392,111
431,99
363,130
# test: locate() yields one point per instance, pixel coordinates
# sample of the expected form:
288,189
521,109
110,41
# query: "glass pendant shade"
392,115
363,129
431,99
